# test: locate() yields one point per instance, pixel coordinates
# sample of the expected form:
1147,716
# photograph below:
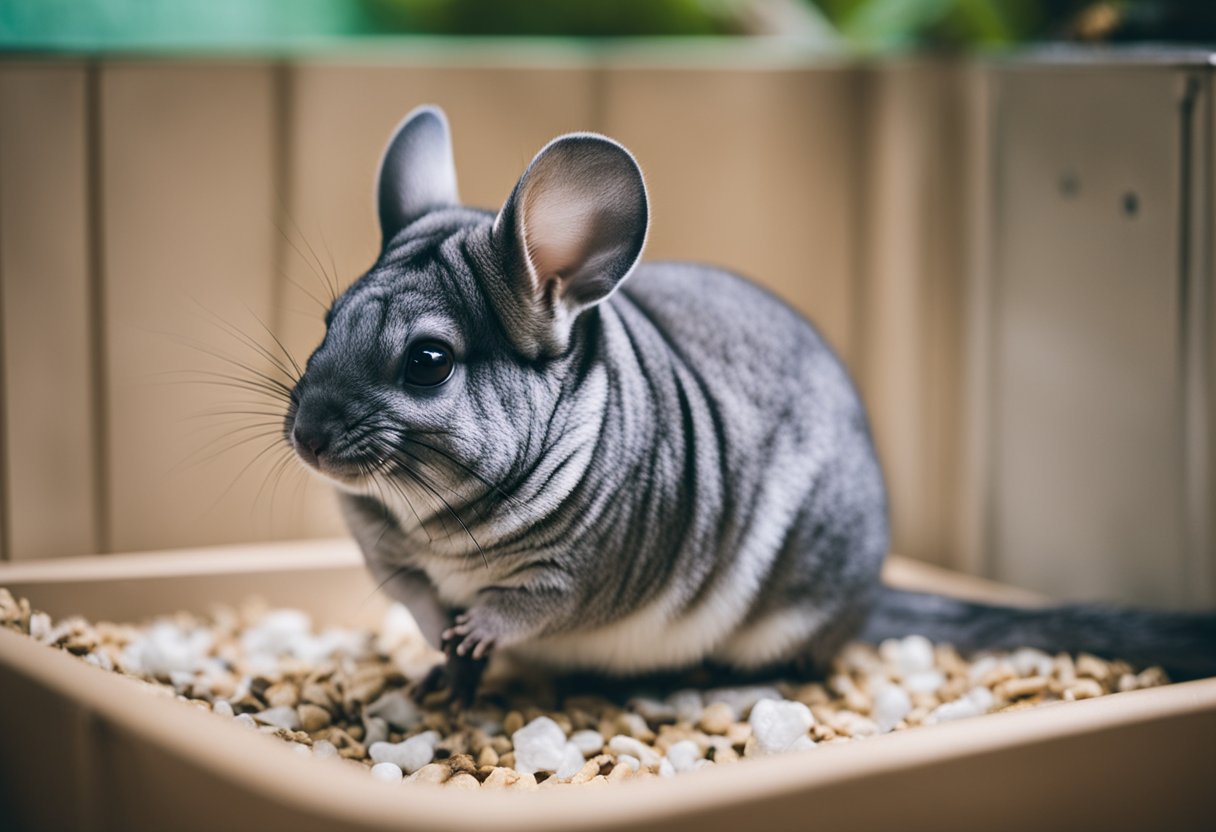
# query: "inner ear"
581,219
417,172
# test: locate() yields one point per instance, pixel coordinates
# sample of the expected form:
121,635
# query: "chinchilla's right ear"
417,172
569,235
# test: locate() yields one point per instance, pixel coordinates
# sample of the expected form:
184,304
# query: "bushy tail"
1183,643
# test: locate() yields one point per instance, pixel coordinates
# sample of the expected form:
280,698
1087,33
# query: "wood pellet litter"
345,694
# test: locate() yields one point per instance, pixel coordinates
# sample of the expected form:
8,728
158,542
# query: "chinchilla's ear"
417,172
571,232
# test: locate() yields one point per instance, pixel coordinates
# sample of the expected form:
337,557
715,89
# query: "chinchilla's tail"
1183,643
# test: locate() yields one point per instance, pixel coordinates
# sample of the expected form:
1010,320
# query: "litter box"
83,749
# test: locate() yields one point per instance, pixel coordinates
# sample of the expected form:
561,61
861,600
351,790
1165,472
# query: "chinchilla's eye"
428,363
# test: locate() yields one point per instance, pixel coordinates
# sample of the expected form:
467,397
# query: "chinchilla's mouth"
342,466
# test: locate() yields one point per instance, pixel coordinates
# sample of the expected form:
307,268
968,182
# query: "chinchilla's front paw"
471,635
459,675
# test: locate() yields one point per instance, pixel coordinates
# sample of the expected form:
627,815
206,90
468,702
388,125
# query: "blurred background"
999,213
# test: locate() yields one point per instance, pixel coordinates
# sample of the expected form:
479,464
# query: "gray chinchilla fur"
548,448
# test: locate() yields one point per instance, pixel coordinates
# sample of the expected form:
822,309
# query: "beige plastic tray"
84,749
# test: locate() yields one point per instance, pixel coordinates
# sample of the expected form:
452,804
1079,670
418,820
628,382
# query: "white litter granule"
891,705
397,710
684,755
908,656
324,749
280,717
388,772
100,659
571,761
742,700
374,730
981,666
977,702
780,726
924,681
276,632
629,760
589,742
687,704
409,755
651,709
40,626
539,746
166,648
621,744
1027,661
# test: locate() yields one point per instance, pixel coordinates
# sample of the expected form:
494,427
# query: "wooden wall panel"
47,334
340,118
912,284
823,182
188,167
754,169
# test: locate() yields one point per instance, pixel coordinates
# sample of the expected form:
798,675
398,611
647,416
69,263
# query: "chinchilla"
547,448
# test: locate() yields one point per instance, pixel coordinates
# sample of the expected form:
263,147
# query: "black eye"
428,363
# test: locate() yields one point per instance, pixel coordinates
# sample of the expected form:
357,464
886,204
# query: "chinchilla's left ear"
570,233
417,173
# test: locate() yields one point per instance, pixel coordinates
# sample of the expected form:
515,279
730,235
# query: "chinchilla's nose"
311,441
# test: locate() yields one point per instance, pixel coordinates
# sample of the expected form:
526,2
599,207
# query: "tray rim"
337,793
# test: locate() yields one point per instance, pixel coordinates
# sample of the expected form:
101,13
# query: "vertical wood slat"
1203,330
751,168
52,505
339,119
188,215
912,279
975,389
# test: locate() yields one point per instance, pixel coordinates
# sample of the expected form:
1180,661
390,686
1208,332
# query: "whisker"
286,352
190,462
249,341
250,374
386,515
398,489
264,428
208,350
236,383
244,468
287,237
385,453
479,503
414,475
467,469
305,292
333,289
333,265
275,473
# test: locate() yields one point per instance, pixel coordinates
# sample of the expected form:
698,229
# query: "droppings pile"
345,694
